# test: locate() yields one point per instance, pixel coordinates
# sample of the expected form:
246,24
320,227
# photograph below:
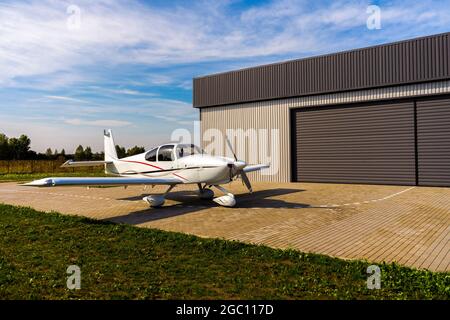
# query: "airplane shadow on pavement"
189,202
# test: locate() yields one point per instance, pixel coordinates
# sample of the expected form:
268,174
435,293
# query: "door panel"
356,144
433,142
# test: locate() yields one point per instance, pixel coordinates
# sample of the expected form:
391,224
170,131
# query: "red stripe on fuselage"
180,176
150,165
146,164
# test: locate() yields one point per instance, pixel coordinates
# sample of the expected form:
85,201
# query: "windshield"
184,150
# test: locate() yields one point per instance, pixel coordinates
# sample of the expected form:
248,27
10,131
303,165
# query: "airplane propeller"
238,168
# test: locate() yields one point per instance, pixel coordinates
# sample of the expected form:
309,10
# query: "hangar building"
376,115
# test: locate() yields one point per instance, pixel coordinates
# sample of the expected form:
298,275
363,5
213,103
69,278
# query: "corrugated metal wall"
258,115
275,114
433,145
412,61
372,143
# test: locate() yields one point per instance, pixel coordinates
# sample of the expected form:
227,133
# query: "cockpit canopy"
184,150
172,152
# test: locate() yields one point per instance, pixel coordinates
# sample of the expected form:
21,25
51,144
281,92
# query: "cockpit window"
184,150
165,153
151,155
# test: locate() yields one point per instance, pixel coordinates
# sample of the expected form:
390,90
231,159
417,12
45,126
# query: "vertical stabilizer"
110,147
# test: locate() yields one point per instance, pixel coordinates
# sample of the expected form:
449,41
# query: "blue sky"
128,65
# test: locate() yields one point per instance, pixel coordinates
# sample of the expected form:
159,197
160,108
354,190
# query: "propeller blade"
230,167
246,181
231,148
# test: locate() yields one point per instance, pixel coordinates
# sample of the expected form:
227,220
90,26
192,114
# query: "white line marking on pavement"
325,206
368,201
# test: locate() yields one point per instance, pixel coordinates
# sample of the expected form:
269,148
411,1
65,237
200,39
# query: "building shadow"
190,203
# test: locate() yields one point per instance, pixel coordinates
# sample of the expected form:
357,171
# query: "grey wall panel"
433,142
252,116
357,144
275,114
412,61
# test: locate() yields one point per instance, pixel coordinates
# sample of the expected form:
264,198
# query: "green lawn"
34,176
126,262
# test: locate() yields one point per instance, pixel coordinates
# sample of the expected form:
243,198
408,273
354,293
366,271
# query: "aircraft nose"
239,165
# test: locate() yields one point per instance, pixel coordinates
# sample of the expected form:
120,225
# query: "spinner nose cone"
239,165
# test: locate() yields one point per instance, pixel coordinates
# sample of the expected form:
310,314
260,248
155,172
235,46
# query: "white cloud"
186,85
160,47
35,39
159,79
97,123
63,98
122,91
128,92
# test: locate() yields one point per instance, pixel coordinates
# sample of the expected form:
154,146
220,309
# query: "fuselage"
197,167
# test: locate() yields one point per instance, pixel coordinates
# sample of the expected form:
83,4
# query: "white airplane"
169,164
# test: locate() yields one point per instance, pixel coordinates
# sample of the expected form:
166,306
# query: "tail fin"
110,147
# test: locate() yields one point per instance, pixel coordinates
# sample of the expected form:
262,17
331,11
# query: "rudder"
110,147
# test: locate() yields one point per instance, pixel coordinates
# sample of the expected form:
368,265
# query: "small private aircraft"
169,164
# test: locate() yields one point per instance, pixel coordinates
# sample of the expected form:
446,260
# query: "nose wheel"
205,193
227,200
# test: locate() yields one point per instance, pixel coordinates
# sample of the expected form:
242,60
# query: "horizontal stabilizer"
71,163
101,181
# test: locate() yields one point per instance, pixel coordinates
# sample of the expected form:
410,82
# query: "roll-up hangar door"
355,144
433,142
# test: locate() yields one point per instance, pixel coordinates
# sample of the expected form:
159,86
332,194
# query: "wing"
101,181
256,167
71,163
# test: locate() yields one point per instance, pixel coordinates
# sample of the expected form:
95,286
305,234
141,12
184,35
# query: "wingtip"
46,182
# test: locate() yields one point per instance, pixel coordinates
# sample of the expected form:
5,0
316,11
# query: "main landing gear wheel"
157,200
227,200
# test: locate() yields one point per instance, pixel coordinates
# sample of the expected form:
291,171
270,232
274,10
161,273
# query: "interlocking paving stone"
379,223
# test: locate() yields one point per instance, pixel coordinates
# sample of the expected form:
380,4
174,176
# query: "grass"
24,177
126,262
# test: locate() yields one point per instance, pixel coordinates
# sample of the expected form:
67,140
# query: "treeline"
19,149
121,153
86,153
16,148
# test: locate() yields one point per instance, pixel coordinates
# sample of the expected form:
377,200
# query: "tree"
88,153
13,144
79,153
24,146
121,153
61,156
135,150
5,153
19,147
49,153
98,156
32,155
